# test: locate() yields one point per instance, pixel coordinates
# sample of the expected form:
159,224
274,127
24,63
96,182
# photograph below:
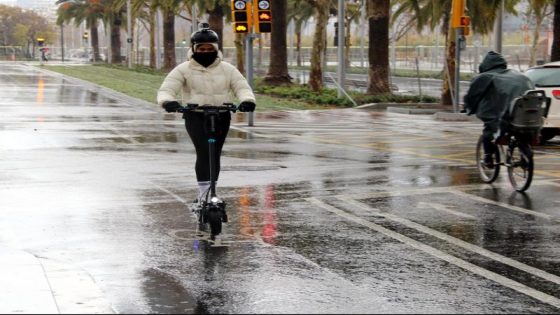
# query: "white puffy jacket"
214,85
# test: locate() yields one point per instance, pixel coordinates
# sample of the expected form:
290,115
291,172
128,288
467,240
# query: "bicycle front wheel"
520,167
488,174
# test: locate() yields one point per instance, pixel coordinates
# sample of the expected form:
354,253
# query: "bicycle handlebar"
229,107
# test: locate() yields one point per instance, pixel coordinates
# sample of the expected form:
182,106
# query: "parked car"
547,77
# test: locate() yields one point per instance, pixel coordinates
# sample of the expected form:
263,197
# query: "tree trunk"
152,21
298,45
449,73
535,42
378,51
347,37
449,67
278,65
116,39
216,21
95,42
319,41
555,53
169,61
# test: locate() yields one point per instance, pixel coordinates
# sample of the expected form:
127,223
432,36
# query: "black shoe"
488,161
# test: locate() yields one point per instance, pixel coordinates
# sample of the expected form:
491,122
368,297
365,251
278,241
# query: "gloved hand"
247,107
171,106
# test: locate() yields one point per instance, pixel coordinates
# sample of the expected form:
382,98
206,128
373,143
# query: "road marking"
444,208
502,204
455,241
519,287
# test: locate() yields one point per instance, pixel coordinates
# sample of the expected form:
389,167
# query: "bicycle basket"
527,112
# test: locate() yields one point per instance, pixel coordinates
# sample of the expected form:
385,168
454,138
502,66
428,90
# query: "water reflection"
166,295
40,91
263,223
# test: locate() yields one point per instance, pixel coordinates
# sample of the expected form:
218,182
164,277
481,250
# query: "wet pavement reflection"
338,211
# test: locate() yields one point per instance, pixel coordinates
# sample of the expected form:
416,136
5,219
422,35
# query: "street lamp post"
341,62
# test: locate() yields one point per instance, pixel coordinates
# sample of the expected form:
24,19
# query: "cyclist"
205,79
490,95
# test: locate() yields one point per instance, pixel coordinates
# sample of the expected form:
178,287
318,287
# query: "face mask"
205,59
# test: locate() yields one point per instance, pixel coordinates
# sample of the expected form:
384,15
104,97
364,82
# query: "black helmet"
204,35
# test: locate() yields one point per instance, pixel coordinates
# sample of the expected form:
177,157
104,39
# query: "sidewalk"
42,286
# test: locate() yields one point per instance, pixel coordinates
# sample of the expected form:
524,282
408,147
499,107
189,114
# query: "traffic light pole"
249,62
459,41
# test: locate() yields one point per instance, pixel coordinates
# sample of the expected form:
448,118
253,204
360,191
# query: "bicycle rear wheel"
487,174
520,167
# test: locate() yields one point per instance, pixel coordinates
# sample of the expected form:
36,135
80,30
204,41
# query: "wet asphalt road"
342,211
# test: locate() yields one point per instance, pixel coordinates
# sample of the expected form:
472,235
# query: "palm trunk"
298,45
152,38
216,21
169,59
347,45
95,42
449,72
319,41
536,38
278,66
378,51
116,39
555,53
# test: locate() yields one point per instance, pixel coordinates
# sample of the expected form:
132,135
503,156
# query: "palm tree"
278,67
352,14
539,10
322,8
170,8
435,13
300,12
83,11
378,13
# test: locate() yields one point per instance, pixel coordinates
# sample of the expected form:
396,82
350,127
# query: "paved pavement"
342,211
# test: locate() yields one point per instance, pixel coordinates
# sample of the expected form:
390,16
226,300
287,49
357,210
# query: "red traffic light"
465,20
264,16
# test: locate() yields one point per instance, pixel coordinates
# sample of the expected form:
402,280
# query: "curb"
447,116
96,88
36,285
375,106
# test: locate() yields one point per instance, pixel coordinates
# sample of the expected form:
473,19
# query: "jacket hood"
491,61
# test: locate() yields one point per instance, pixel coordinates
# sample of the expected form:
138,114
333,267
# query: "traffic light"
240,13
465,22
40,41
457,12
263,17
85,36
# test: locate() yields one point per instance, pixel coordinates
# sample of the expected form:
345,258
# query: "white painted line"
502,204
519,287
444,208
172,194
455,241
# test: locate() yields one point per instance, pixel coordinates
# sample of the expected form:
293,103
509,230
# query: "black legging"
197,127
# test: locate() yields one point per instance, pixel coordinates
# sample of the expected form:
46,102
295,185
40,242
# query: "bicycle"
522,123
213,210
